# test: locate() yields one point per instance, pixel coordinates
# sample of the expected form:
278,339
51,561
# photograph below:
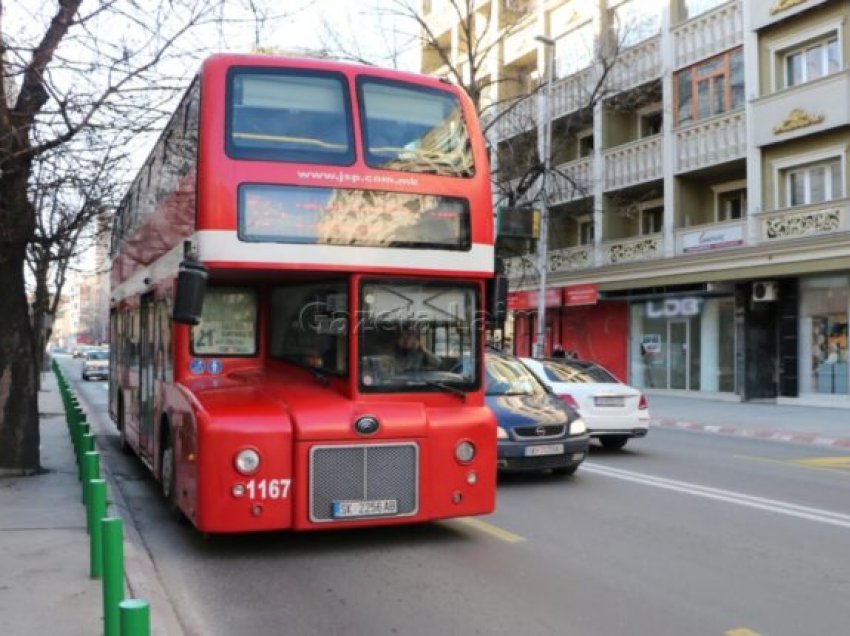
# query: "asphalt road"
680,533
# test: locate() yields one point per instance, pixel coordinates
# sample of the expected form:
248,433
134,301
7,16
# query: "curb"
811,439
140,571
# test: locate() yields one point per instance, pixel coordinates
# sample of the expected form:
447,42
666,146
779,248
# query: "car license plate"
343,509
544,449
610,400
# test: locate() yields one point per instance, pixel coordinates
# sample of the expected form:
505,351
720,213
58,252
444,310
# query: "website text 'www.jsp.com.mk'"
355,179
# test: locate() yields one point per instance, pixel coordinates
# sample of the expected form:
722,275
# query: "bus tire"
122,427
168,475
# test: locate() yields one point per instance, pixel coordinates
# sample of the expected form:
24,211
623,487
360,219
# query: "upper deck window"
414,129
289,115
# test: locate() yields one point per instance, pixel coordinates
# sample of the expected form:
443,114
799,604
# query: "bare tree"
72,71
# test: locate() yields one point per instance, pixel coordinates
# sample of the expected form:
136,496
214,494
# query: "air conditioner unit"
765,291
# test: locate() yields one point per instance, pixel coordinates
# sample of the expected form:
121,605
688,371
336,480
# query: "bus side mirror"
497,301
189,295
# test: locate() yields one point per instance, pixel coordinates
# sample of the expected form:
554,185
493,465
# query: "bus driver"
410,355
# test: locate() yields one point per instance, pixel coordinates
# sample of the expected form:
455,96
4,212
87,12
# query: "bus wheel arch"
168,465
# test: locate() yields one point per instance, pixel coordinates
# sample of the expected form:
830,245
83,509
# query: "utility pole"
543,239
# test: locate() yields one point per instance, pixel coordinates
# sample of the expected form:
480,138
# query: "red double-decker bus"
298,278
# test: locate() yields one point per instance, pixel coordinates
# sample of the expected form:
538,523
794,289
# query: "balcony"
572,180
568,259
710,237
571,93
520,42
802,110
708,34
630,250
512,118
633,163
804,221
712,141
637,65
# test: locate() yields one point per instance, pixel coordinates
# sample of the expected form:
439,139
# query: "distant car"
614,412
78,352
96,365
536,430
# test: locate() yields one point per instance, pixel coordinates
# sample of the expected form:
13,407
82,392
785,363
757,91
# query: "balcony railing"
636,248
571,93
513,118
707,34
572,180
637,65
570,258
804,221
712,141
633,163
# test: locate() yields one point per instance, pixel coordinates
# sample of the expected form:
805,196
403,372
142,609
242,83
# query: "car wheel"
565,471
85,377
614,442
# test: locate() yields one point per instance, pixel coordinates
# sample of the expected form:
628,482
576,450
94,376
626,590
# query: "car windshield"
577,372
418,336
97,355
509,376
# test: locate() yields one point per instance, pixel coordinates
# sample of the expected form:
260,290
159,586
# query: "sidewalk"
819,426
44,549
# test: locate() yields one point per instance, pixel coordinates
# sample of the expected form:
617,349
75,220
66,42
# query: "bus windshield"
418,336
289,115
414,129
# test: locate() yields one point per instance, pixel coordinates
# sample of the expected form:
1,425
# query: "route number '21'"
268,488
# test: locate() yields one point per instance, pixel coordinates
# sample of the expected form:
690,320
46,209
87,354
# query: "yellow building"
699,183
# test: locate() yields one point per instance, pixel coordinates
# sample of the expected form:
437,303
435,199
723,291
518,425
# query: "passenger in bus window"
411,355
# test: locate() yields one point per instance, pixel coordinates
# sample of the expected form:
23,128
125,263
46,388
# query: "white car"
614,412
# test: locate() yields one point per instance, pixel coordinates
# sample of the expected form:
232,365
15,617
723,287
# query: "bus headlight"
465,452
247,461
578,427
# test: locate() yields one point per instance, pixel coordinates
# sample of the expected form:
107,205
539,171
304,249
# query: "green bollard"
91,470
112,530
94,513
135,617
82,430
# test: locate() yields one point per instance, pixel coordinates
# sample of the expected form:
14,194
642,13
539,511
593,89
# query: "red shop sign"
575,295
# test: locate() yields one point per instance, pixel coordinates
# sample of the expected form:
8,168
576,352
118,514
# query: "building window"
650,123
585,231
693,8
812,61
730,201
651,219
574,51
710,88
636,21
585,144
814,183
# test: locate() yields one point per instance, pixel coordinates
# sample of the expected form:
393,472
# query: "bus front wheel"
168,477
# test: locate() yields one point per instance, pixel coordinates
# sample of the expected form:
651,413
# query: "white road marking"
729,496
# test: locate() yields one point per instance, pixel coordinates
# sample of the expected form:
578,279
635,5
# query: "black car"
537,431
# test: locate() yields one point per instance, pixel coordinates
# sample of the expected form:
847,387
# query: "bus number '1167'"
268,488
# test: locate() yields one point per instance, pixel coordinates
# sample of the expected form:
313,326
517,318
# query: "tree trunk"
19,434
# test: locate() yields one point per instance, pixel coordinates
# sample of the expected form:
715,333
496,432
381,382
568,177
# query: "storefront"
823,362
683,343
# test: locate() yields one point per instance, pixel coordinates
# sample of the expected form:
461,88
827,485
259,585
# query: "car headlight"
247,461
465,452
578,427
501,433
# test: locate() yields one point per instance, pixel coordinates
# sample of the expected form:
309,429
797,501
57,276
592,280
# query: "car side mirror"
189,295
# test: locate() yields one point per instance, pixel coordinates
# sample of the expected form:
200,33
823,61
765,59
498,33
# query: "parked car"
614,412
96,365
537,431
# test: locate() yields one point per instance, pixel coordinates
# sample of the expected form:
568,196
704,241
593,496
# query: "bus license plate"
545,449
344,509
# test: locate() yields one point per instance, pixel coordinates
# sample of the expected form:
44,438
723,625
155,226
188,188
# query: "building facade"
699,184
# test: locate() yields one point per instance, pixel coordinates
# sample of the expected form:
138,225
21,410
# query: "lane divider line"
808,513
489,528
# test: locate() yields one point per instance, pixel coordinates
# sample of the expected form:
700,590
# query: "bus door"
146,376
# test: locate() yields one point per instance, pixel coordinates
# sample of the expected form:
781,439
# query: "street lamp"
543,238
